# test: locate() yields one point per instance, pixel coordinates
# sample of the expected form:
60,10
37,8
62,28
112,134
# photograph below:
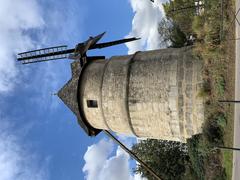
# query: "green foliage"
221,121
227,158
212,23
197,153
197,26
181,22
214,128
204,158
166,158
182,18
220,83
171,33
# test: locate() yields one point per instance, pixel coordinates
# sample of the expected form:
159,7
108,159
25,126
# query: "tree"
181,12
171,34
166,158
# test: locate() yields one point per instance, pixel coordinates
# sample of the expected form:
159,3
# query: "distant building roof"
69,95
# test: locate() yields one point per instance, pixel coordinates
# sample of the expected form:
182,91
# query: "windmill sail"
46,54
61,52
113,43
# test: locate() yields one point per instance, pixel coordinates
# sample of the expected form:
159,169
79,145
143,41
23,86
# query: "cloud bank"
19,22
16,19
102,164
15,161
145,25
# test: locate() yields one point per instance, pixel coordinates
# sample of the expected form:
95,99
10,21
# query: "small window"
92,103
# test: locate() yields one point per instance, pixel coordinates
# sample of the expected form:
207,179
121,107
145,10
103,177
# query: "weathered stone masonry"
149,94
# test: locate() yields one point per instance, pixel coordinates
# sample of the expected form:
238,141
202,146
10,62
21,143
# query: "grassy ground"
217,49
229,45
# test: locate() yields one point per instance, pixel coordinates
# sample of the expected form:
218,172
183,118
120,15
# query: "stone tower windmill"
151,94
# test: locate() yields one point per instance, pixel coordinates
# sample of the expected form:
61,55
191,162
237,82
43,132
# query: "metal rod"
113,43
234,39
228,148
228,101
132,154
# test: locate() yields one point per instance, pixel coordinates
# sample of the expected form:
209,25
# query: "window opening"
92,103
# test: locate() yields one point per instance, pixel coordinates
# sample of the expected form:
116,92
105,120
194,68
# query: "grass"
227,160
218,55
221,86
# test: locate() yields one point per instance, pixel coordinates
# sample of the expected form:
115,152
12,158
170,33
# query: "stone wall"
163,94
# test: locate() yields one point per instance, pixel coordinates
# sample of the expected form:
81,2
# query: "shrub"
197,154
214,128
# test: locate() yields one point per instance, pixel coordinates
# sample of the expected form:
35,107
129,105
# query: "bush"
214,128
197,154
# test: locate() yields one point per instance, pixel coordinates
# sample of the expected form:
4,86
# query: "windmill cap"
69,95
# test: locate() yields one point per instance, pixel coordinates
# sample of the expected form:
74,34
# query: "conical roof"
68,94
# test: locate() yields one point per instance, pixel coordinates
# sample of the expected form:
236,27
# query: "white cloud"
145,25
95,157
128,141
16,162
102,164
16,19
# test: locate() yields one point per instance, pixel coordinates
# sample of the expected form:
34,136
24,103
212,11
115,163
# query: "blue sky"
39,136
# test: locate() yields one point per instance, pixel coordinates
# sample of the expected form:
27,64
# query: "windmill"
79,53
148,94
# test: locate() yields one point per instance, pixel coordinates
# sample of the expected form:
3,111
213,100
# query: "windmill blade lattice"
46,54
